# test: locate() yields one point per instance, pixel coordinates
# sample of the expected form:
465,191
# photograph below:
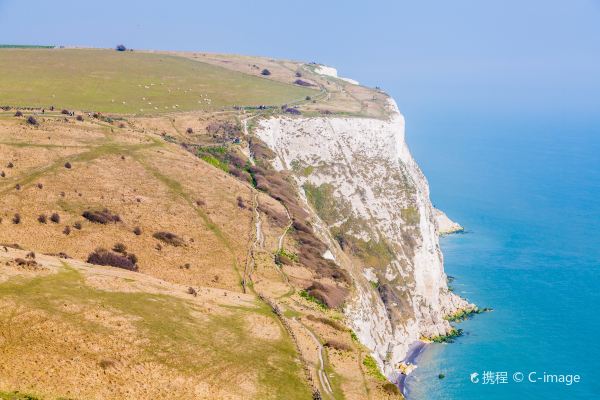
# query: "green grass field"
130,82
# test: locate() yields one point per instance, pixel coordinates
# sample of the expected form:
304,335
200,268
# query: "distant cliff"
371,204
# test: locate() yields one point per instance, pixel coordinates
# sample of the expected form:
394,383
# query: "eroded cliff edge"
371,206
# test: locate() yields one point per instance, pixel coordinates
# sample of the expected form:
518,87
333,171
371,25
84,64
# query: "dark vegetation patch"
331,296
224,130
101,217
337,345
265,72
137,231
31,120
291,110
119,248
16,219
301,82
102,256
277,218
55,218
169,238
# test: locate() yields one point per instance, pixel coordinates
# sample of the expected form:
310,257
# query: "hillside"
219,272
130,82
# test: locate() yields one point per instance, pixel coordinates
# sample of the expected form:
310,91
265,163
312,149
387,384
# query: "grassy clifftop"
130,82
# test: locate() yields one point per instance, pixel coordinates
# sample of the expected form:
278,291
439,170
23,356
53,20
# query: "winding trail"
323,379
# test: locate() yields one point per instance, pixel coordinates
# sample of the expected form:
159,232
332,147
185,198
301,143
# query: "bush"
101,217
189,130
40,186
300,82
18,187
132,257
18,114
65,112
119,248
42,219
265,72
137,230
79,118
338,345
240,202
31,120
67,230
10,164
55,218
68,165
293,111
121,47
102,256
169,238
77,225
16,219
2,174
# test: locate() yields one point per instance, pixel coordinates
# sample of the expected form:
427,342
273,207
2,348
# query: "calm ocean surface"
527,189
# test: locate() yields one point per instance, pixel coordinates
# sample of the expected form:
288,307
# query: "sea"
526,187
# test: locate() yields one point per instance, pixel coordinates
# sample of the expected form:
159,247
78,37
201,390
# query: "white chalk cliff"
382,198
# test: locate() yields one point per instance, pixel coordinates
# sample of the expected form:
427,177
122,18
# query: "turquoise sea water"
527,189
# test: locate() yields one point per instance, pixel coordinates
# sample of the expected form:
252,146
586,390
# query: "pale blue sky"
513,55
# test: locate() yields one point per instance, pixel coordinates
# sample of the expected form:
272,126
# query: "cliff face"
372,207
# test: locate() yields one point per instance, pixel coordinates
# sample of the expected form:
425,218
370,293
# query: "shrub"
338,345
119,248
2,174
192,291
55,218
79,118
31,120
265,72
169,238
10,164
189,130
67,230
293,111
102,256
18,187
16,219
68,165
65,112
300,82
132,257
240,202
42,219
40,186
18,114
101,217
137,230
298,75
121,47
77,225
